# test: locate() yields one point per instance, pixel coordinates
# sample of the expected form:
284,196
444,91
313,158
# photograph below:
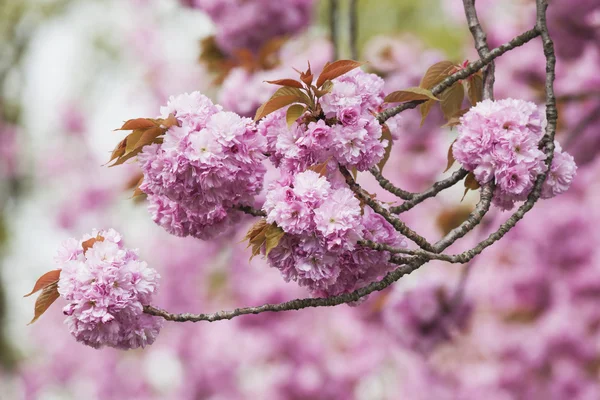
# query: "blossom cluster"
242,24
106,286
322,224
499,140
349,133
204,167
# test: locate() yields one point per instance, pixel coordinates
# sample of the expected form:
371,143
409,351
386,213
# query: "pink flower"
500,140
561,174
203,168
106,287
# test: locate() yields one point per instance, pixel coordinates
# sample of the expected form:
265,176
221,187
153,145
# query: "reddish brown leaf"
45,280
149,136
450,157
451,100
273,235
138,123
470,184
275,104
437,73
256,236
132,139
410,94
287,82
86,245
425,108
45,300
385,135
336,69
320,168
475,89
118,151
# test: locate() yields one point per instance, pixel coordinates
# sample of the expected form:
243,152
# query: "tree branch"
417,261
333,29
433,191
389,186
251,211
482,47
463,73
379,209
353,29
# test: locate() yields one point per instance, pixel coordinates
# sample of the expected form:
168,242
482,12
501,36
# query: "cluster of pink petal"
249,25
106,288
499,140
205,167
322,225
351,136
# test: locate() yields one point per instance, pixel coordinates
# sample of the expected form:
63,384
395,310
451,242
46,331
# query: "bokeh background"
520,322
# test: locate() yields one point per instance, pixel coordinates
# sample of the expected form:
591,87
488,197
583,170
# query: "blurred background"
520,322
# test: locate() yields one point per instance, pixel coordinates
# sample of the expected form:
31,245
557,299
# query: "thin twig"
482,47
353,23
251,211
417,261
379,209
389,186
333,27
463,73
433,191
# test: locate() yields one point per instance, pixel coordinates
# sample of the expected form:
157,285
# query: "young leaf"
149,136
470,184
455,119
385,135
256,236
45,300
132,139
138,192
475,89
410,94
273,235
135,124
287,82
307,77
287,91
293,113
354,172
451,100
425,108
325,88
90,243
275,104
45,280
436,73
336,69
320,168
450,157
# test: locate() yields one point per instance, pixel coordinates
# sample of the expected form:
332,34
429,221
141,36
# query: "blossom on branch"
204,167
106,286
500,141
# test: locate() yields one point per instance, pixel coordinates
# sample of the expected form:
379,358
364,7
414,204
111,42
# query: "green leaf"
451,100
336,69
326,88
410,94
385,135
293,113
